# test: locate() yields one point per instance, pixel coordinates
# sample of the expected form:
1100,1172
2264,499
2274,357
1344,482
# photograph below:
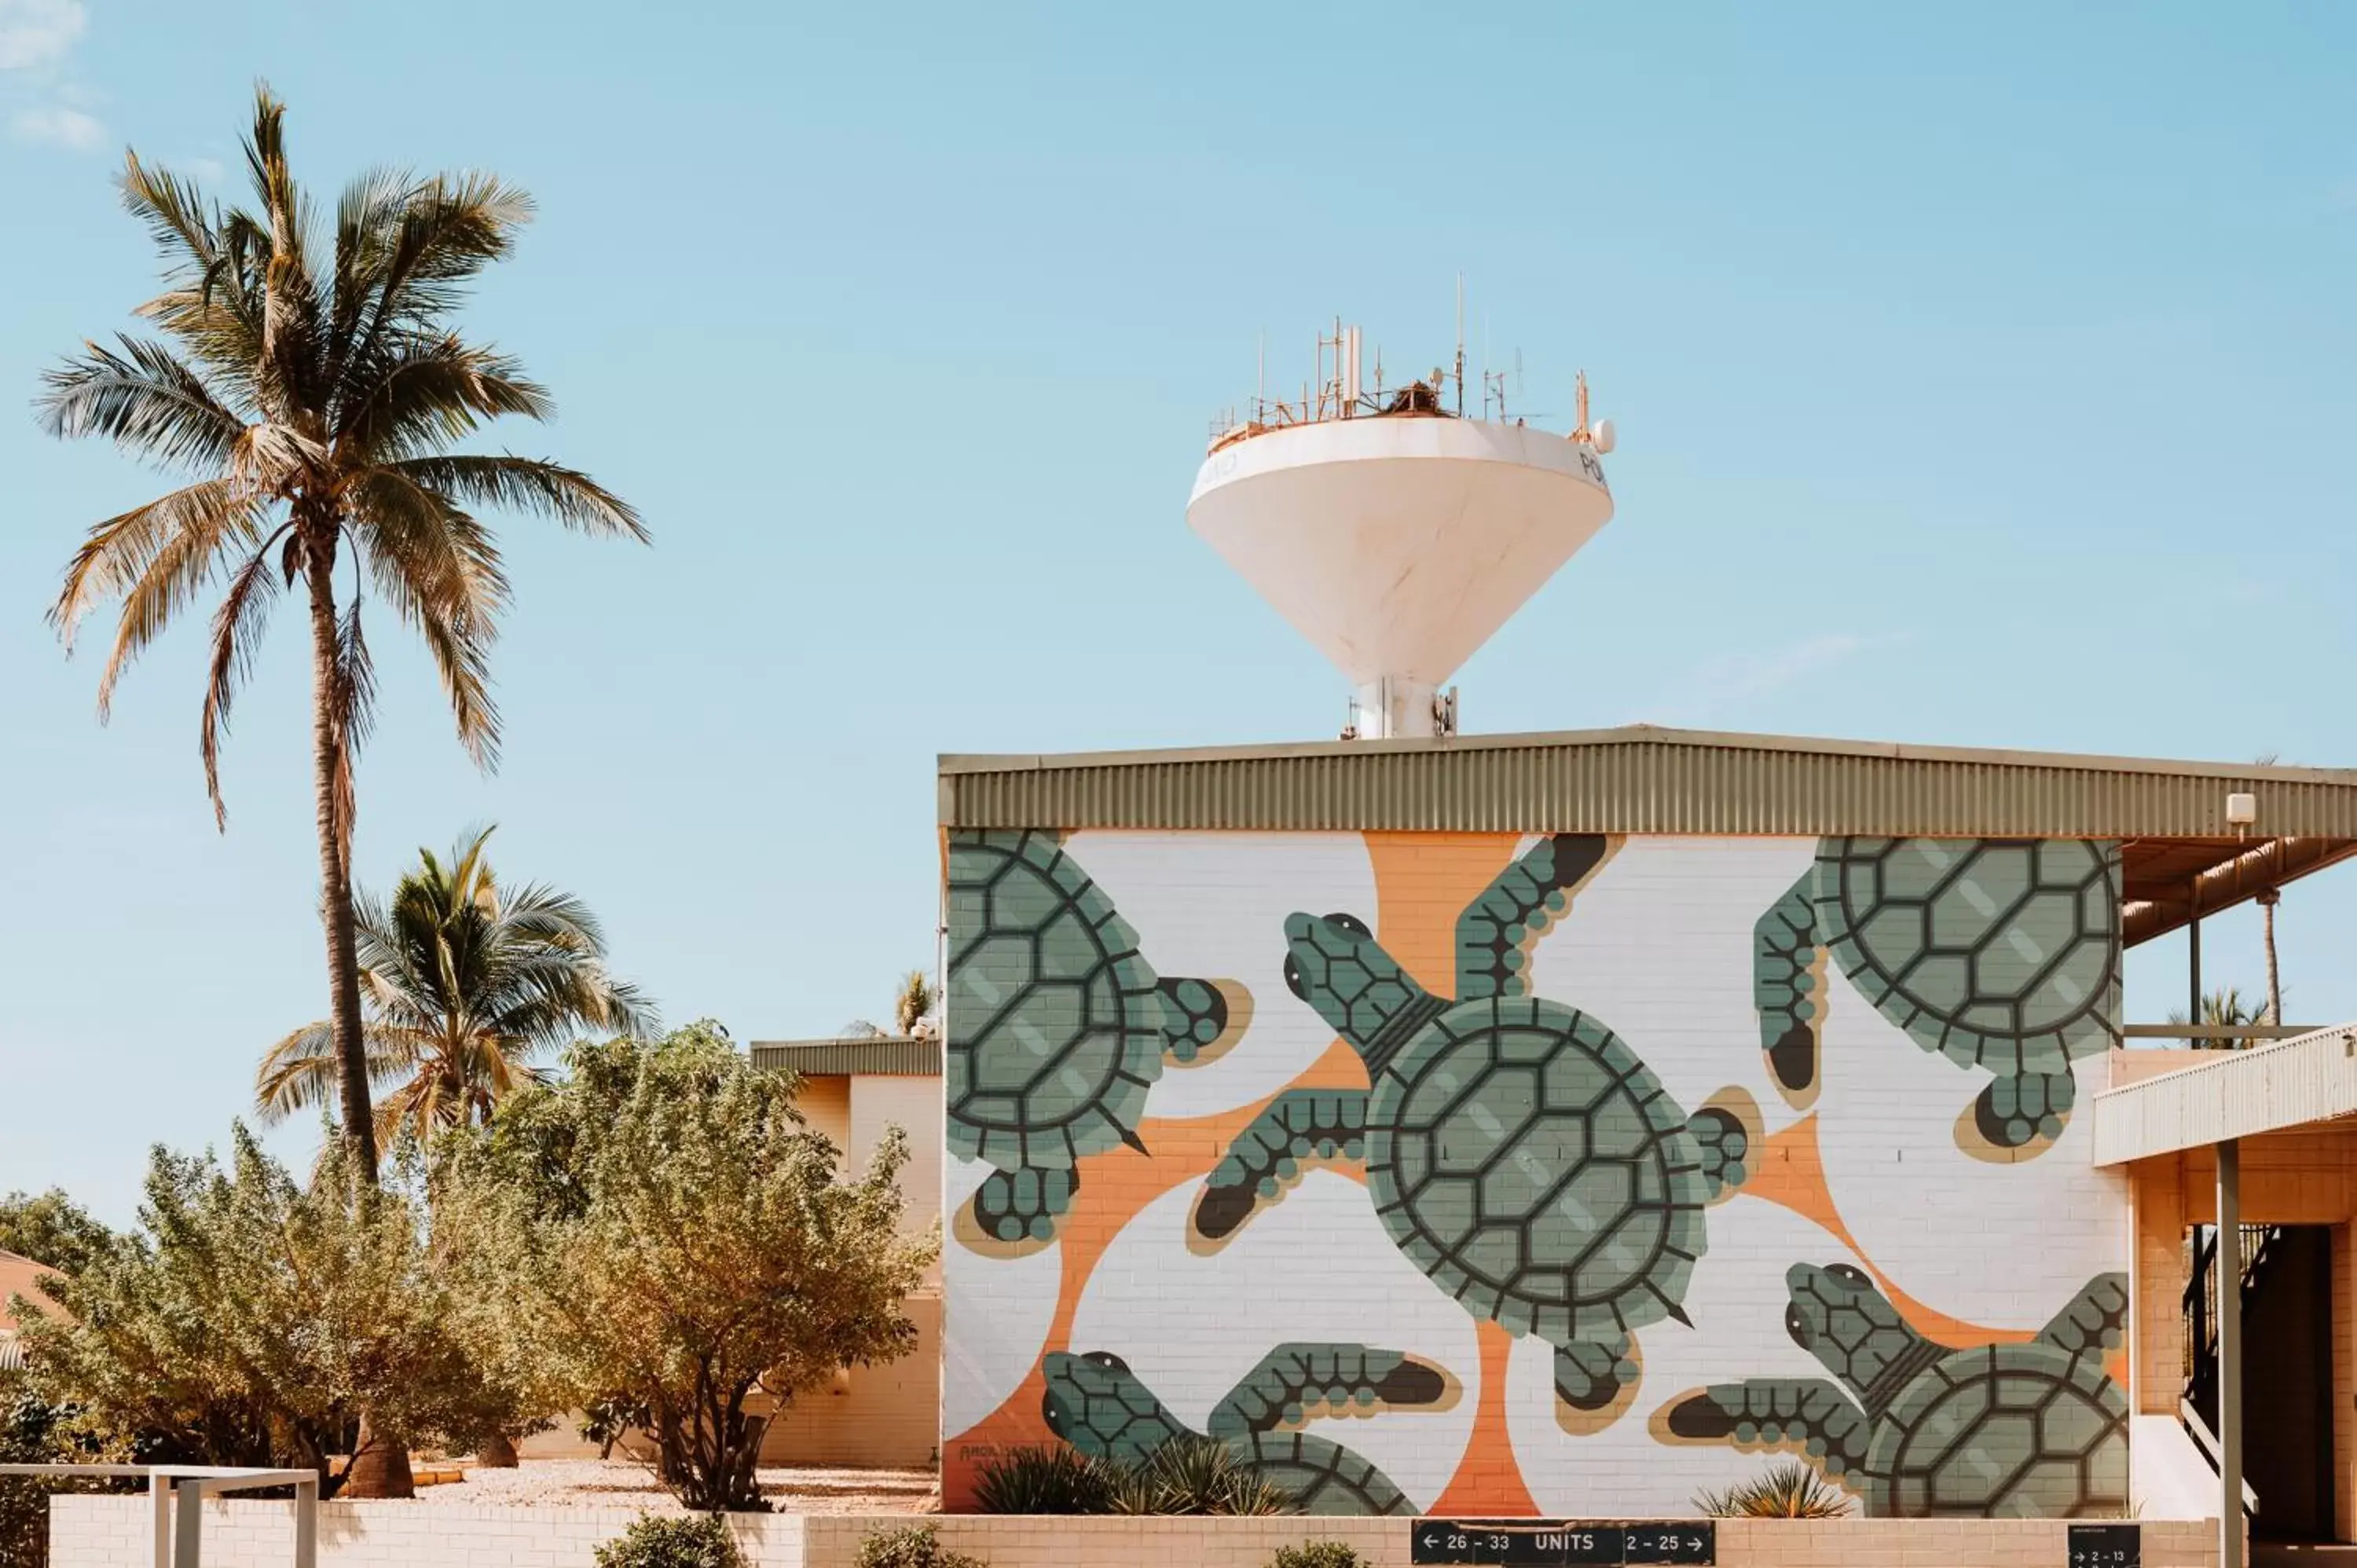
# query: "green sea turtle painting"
1516,1149
1999,955
1057,1028
1099,1406
1916,1428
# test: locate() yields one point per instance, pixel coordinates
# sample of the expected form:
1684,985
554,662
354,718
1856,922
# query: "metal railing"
2253,1248
179,1532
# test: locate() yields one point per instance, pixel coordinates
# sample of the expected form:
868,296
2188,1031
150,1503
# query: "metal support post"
159,1501
188,1530
2229,1256
307,1523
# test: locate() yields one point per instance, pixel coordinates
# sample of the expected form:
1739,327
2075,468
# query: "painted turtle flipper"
1024,1205
2096,1319
1589,1374
1808,1414
1724,1146
1200,1018
2015,1109
1299,1125
1788,987
1299,1382
1495,932
1320,1474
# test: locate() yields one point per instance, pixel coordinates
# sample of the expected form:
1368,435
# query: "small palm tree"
310,378
915,1002
463,982
2223,1006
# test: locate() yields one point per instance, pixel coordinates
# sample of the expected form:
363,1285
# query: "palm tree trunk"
2267,901
328,743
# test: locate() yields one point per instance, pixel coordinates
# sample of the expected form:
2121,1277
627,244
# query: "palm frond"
402,254
142,398
299,1071
439,570
528,484
190,556
289,374
238,625
415,392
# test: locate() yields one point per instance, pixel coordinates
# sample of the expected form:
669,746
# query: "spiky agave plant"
1787,1489
1044,1480
1192,1474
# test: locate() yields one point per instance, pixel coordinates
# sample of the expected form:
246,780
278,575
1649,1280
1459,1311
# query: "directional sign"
1560,1542
2106,1546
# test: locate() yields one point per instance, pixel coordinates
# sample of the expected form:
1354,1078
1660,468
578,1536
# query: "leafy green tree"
668,1225
311,380
463,982
51,1229
251,1319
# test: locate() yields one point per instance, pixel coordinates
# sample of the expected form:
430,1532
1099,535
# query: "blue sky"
1982,374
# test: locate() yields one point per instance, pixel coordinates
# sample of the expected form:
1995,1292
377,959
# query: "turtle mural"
1916,1428
2000,954
1099,1406
1517,1151
1057,1026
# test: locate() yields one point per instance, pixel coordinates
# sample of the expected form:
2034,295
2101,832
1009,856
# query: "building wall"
1145,1308
886,1415
2300,1178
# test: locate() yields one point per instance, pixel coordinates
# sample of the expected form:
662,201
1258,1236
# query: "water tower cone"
1398,543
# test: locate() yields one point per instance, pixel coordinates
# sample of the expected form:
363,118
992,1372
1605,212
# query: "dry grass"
622,1483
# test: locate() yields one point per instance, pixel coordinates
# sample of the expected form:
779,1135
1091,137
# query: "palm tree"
2223,1006
914,1006
463,983
310,379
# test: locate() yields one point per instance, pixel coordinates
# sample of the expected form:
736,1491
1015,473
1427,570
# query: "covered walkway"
2255,1149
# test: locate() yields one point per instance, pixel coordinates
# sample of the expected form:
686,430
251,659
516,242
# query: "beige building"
855,1091
17,1277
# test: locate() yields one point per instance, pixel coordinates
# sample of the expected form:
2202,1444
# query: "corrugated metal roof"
883,1054
2238,1094
1641,779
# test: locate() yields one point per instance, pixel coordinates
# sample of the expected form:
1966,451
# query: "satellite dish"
1603,435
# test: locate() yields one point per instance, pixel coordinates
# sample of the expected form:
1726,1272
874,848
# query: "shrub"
251,1318
665,1224
1788,1489
699,1541
1316,1554
915,1546
1197,1476
1045,1480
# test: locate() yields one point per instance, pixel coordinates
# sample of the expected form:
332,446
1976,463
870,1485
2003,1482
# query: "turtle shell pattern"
1055,1021
1997,953
1526,1159
2021,1429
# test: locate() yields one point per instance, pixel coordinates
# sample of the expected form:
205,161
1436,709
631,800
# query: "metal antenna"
1461,345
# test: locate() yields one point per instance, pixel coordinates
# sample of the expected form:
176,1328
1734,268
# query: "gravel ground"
619,1482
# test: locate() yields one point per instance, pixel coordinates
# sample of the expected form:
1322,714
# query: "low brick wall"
111,1532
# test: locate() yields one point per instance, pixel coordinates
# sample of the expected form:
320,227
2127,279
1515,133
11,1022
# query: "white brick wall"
112,1532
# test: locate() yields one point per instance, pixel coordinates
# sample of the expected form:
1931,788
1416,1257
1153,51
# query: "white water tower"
1395,534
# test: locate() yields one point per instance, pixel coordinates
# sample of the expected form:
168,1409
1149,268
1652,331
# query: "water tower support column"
1395,708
